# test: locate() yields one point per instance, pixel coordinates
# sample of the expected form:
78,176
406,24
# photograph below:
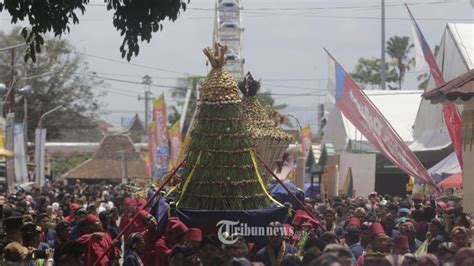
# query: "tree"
398,48
63,79
135,20
367,73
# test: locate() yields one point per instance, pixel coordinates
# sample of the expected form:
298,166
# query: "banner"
305,136
451,115
175,142
161,136
348,187
10,161
357,108
21,170
40,140
151,150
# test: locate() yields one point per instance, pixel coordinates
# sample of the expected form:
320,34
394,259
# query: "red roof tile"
460,87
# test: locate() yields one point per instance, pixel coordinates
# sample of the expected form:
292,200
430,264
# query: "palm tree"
398,48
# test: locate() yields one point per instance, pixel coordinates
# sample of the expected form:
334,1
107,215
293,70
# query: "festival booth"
371,171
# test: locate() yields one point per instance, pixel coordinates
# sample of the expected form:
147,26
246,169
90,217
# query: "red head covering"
354,221
91,218
375,229
143,214
302,217
176,226
73,207
126,201
194,234
401,242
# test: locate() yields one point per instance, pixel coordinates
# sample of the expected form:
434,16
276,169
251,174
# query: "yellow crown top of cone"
219,85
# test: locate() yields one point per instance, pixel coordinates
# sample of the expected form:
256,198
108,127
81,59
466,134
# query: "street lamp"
40,139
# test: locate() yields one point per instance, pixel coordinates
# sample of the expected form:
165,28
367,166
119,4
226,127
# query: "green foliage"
64,163
65,84
135,20
367,73
398,48
219,164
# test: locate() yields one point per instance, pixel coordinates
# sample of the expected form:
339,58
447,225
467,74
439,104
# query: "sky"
282,44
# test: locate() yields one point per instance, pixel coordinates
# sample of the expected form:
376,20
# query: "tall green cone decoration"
221,171
270,141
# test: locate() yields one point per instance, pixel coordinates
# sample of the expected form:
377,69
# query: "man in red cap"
150,236
96,242
378,243
194,237
175,235
353,237
71,217
130,209
400,245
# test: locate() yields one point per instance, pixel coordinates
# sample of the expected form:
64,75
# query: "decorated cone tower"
221,170
269,140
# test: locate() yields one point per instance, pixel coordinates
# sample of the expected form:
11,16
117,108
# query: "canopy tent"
446,167
311,191
398,107
453,181
455,57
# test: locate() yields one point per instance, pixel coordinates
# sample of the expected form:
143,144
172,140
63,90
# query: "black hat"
30,228
13,222
211,240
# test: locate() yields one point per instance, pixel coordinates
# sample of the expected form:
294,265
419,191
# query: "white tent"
445,168
398,107
455,57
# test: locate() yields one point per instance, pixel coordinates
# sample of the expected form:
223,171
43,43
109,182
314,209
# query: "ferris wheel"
228,30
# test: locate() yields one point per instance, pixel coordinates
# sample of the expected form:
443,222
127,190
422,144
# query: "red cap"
375,229
143,214
194,234
401,242
302,217
91,218
176,226
354,221
73,207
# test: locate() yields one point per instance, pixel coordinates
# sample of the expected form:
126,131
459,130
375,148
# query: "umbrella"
452,181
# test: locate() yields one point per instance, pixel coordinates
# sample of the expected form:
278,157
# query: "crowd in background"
79,225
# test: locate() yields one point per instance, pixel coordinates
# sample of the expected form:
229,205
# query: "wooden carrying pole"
288,190
165,182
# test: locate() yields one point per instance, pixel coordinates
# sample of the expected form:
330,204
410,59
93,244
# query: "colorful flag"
151,150
305,136
175,142
161,136
362,113
451,114
348,187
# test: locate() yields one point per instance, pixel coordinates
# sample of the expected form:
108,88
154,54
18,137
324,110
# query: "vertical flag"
451,115
305,136
175,142
21,171
362,113
348,187
151,150
161,136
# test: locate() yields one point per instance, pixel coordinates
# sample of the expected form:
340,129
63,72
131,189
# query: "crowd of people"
80,225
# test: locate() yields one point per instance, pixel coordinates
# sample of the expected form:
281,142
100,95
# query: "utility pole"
383,75
146,80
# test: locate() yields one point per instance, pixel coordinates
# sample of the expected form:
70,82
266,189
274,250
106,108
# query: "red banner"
357,108
451,114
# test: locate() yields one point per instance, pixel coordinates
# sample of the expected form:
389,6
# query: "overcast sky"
283,44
